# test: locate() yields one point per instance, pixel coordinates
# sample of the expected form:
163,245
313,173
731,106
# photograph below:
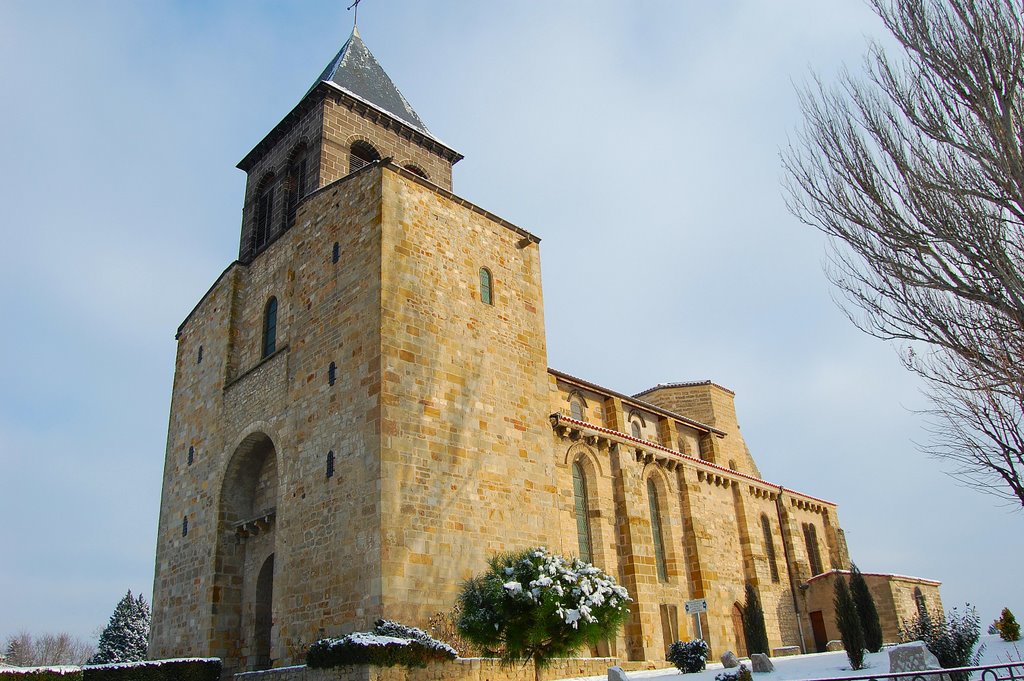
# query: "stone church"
363,413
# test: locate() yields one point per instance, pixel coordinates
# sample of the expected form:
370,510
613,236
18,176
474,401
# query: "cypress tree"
753,623
848,623
127,634
866,610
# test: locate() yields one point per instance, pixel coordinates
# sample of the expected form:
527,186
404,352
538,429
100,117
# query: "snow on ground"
828,665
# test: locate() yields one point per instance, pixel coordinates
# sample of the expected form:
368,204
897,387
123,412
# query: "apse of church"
362,414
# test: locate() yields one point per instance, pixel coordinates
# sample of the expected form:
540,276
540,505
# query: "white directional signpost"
695,608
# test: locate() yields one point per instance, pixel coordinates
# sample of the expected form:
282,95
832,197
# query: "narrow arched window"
270,328
769,547
634,426
922,608
732,464
184,526
330,464
659,543
579,489
360,155
576,408
331,373
486,286
264,214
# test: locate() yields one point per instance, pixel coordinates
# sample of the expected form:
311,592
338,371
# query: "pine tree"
866,610
848,623
127,634
753,623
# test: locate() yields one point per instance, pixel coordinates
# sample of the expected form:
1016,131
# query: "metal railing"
1005,671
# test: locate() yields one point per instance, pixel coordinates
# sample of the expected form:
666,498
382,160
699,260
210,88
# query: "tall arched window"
360,155
769,547
659,543
579,489
635,428
486,286
813,555
270,327
919,601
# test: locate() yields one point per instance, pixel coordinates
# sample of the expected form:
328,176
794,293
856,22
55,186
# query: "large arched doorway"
243,604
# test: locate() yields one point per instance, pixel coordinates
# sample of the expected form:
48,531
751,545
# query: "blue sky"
640,140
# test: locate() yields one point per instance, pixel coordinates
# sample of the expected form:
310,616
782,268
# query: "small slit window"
199,355
270,328
336,253
191,455
184,526
330,464
331,373
486,287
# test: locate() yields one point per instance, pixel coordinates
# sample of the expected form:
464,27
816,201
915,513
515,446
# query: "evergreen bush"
848,623
753,623
689,657
40,674
190,669
534,605
866,610
952,640
389,644
126,636
1007,626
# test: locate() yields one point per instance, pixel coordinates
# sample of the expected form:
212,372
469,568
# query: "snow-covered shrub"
388,645
1006,626
952,640
689,657
537,605
741,674
127,634
185,669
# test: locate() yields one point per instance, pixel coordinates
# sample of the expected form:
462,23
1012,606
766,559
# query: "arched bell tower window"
270,327
360,155
582,508
416,170
264,213
295,183
486,286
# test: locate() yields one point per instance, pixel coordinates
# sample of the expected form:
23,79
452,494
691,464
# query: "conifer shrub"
866,610
689,657
126,635
953,640
848,623
390,644
753,623
1007,626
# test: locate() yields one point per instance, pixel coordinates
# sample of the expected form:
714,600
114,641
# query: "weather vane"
355,18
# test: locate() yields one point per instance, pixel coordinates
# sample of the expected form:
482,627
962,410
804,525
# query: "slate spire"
355,70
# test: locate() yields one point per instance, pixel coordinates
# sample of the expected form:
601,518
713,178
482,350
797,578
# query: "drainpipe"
790,570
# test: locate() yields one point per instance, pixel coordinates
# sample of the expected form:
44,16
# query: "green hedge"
41,673
193,669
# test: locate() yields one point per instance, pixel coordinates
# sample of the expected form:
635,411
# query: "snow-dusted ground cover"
828,665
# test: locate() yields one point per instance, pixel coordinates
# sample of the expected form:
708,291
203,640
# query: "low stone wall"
462,669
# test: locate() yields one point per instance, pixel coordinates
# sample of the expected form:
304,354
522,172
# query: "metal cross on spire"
355,18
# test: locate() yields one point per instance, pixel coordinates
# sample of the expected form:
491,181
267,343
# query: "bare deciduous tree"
916,172
24,650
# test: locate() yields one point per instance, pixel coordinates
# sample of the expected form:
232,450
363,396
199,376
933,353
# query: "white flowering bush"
537,605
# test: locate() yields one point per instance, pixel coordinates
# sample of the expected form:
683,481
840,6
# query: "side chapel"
363,413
